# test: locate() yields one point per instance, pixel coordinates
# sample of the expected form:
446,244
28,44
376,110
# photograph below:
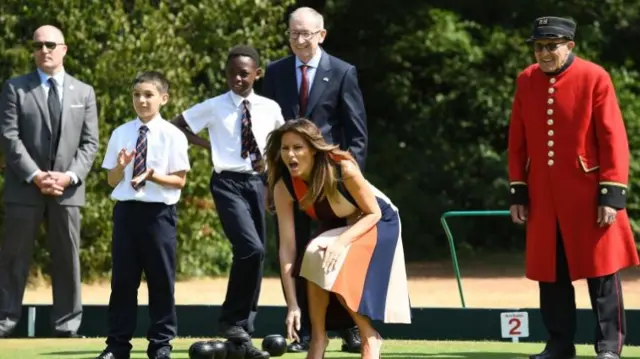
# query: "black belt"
234,175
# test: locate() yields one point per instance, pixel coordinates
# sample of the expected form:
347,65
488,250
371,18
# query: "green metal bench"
452,248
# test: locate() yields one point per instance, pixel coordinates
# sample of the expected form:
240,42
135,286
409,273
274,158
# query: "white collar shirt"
222,116
167,152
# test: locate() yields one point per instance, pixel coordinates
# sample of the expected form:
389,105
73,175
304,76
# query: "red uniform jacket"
568,154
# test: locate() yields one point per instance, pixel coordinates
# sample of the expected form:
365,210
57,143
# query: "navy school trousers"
144,240
239,200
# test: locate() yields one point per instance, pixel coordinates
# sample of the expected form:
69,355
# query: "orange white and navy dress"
370,276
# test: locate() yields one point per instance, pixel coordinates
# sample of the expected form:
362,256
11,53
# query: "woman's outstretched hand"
293,323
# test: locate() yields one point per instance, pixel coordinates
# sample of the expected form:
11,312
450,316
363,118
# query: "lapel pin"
325,79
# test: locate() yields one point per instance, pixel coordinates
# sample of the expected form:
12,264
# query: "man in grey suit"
49,136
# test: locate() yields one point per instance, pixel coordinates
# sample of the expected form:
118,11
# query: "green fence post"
452,248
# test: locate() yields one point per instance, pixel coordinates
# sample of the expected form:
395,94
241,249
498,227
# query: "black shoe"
555,354
69,335
163,353
351,341
236,334
607,355
109,355
299,346
252,352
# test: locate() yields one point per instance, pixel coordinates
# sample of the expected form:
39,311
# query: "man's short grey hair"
307,10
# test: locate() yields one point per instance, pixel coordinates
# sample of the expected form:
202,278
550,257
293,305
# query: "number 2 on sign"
515,326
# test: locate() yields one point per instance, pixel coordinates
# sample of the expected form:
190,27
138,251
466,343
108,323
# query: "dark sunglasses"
37,45
552,46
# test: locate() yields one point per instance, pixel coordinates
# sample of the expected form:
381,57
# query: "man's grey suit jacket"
25,137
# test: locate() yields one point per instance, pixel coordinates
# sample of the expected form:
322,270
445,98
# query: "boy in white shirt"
147,162
238,122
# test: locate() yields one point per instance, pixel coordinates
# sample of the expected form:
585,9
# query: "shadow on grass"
330,354
92,354
479,355
79,352
398,355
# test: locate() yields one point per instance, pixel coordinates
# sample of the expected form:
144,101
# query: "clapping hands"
125,157
138,181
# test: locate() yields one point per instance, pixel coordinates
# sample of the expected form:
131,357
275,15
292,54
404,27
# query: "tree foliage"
437,78
109,43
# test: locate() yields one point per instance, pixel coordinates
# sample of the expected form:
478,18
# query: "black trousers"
558,308
144,240
239,200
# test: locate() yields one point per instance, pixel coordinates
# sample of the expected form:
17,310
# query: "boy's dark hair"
154,77
244,50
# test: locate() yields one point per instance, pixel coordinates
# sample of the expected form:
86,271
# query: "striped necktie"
140,161
249,144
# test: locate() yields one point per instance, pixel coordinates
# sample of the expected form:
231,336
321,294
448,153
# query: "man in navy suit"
313,84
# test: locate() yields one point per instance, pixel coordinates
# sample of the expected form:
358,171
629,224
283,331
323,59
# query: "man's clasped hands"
51,182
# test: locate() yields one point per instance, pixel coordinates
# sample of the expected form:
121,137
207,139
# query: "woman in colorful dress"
354,267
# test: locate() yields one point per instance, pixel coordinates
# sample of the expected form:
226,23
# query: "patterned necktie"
304,90
249,144
140,161
55,112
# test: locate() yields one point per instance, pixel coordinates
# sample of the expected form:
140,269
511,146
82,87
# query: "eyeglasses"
306,35
551,46
51,45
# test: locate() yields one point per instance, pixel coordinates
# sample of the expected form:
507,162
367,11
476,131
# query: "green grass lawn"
393,349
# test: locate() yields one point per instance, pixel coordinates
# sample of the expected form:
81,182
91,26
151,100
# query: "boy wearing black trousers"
238,122
147,162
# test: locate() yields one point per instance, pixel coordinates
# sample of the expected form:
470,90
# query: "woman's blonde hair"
323,180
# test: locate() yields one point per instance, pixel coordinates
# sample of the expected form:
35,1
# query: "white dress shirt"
44,86
311,71
166,153
222,115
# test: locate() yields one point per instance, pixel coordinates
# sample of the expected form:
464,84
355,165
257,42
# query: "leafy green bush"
109,42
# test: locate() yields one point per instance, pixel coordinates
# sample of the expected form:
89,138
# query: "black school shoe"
235,333
109,355
251,352
351,341
299,346
162,353
607,355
